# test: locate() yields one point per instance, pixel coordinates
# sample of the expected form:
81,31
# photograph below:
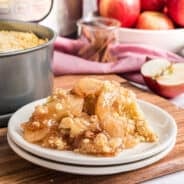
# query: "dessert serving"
95,117
15,41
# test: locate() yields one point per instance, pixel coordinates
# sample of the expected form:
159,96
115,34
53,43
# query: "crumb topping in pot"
15,41
95,117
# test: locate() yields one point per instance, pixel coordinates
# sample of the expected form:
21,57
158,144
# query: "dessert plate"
161,122
89,170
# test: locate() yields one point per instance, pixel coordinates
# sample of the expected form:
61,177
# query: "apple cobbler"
95,117
15,41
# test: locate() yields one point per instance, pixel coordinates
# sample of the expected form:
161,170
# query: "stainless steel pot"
64,15
60,15
25,75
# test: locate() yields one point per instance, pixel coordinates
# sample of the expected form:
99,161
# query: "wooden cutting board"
14,169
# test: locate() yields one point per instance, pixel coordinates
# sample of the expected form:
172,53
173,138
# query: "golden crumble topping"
95,117
15,41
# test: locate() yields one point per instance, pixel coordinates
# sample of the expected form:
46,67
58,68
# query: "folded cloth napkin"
130,59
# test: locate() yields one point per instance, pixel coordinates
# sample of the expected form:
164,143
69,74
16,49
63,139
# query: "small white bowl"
171,40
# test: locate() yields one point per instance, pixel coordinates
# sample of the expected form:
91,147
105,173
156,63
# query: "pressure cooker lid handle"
30,11
46,13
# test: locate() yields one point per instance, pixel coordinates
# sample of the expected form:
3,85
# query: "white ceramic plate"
161,122
89,170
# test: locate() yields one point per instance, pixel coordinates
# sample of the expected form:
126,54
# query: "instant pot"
25,75
60,15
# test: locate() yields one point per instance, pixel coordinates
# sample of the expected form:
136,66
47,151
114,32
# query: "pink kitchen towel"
130,59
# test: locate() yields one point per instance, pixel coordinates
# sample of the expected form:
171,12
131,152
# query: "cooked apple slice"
163,77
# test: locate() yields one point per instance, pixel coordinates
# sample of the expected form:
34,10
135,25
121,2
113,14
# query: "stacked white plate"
130,159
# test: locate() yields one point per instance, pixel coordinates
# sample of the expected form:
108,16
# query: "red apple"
164,78
98,2
176,11
154,20
152,5
126,11
165,10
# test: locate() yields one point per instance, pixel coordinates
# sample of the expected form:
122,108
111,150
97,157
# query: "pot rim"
32,49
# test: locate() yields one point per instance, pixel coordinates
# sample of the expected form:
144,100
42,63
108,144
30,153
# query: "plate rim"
83,170
85,161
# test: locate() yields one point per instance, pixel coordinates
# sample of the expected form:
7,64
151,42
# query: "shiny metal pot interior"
64,15
25,75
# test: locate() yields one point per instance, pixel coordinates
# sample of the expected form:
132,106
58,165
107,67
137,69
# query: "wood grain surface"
14,169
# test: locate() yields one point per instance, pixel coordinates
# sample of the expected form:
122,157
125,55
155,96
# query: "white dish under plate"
161,122
84,170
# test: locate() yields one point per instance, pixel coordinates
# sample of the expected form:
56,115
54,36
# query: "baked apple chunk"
95,117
